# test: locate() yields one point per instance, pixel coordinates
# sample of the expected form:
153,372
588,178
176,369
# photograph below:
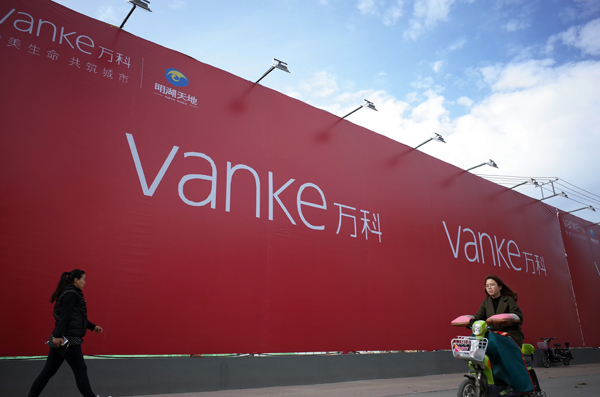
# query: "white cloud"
426,14
108,14
431,110
587,7
464,101
589,38
369,7
381,78
437,66
426,83
414,31
320,85
516,25
458,44
177,4
586,38
550,127
399,120
580,9
389,13
423,83
432,11
413,97
519,75
393,13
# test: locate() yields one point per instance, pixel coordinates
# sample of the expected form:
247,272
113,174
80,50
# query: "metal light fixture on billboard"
530,181
491,163
437,137
277,64
562,194
589,207
143,4
366,104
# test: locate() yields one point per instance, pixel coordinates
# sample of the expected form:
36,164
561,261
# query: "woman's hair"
505,288
66,278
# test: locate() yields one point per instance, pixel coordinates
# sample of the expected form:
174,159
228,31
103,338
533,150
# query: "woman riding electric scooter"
505,368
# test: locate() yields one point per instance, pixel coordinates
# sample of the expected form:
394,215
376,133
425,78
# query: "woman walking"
71,324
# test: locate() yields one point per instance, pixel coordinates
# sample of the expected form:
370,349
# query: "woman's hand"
98,329
58,341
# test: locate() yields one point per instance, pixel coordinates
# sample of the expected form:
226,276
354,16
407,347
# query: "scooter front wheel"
468,389
546,360
566,361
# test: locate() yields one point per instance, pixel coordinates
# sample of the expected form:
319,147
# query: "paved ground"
559,381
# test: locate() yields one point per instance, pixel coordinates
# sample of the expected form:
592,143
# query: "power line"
592,197
573,192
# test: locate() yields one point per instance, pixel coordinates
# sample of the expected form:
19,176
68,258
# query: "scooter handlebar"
505,318
462,321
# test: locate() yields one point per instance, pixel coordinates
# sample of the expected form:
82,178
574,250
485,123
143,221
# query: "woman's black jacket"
70,314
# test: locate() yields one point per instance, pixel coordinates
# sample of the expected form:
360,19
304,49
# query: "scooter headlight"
477,328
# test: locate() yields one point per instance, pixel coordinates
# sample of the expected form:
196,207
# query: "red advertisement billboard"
214,215
582,244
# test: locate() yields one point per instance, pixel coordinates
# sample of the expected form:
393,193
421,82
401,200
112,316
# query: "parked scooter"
480,380
554,354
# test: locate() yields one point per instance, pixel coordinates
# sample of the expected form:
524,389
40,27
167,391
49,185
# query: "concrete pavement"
558,380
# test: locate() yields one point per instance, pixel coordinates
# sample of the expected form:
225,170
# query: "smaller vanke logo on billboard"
176,78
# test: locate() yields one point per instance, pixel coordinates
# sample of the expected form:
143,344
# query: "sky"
515,81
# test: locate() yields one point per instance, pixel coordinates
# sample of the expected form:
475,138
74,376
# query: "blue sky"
516,81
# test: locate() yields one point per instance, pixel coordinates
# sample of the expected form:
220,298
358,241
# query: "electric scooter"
555,354
480,380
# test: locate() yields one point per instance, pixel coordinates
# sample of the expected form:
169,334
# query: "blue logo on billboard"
592,233
176,78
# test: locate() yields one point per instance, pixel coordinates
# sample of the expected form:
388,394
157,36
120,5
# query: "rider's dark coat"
506,305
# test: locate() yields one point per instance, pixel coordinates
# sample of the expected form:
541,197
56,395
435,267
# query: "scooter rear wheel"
467,389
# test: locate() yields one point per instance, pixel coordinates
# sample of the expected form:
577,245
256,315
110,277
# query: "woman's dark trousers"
74,358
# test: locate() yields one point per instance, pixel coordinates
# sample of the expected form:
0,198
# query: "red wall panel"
582,244
173,268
